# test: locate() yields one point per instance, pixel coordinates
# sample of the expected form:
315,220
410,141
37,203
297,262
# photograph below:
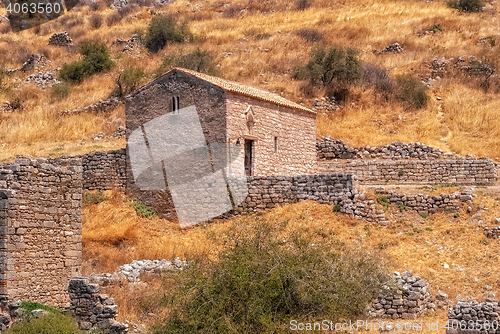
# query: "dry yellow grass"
114,235
466,121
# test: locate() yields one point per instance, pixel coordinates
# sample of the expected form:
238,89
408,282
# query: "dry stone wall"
411,300
463,314
40,229
480,172
425,204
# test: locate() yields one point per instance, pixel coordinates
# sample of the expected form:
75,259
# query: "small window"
275,144
175,105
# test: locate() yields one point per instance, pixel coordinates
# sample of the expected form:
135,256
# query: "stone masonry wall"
40,229
461,171
294,132
104,170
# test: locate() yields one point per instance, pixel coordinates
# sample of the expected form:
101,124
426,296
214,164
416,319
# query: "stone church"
275,136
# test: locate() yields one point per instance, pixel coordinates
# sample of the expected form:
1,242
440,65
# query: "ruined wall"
460,171
295,131
40,229
473,317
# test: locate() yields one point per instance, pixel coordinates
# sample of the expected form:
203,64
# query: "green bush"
382,200
402,207
336,208
92,198
401,172
198,60
53,323
466,5
163,30
61,90
412,90
333,68
95,60
260,282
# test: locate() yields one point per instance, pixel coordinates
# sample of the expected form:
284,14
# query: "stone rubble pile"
60,39
91,309
493,233
485,313
329,148
394,48
437,67
100,107
43,79
325,104
6,107
411,300
119,4
133,271
362,208
36,62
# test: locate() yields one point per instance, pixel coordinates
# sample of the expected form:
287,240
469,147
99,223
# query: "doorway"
248,157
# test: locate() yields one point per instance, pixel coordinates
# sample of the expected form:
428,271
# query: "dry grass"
114,235
465,122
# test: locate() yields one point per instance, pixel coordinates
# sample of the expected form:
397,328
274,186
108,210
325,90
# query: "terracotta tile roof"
238,88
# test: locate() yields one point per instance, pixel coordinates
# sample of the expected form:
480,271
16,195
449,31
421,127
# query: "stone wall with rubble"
410,301
483,314
40,229
462,171
93,310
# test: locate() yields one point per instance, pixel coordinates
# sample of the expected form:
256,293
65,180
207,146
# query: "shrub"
333,68
113,18
378,78
61,91
466,5
336,208
382,200
402,207
163,30
412,90
92,198
51,323
129,80
401,172
261,281
303,4
30,306
95,21
95,59
198,60
143,210
310,35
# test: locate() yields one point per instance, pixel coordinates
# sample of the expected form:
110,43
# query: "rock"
441,296
35,62
43,80
39,313
394,48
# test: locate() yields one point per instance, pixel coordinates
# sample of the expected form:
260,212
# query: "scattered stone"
492,233
60,39
120,132
133,271
100,107
36,62
394,48
6,107
39,313
43,79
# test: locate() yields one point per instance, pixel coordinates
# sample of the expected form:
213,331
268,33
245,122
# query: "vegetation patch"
163,30
49,324
412,90
93,198
262,281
